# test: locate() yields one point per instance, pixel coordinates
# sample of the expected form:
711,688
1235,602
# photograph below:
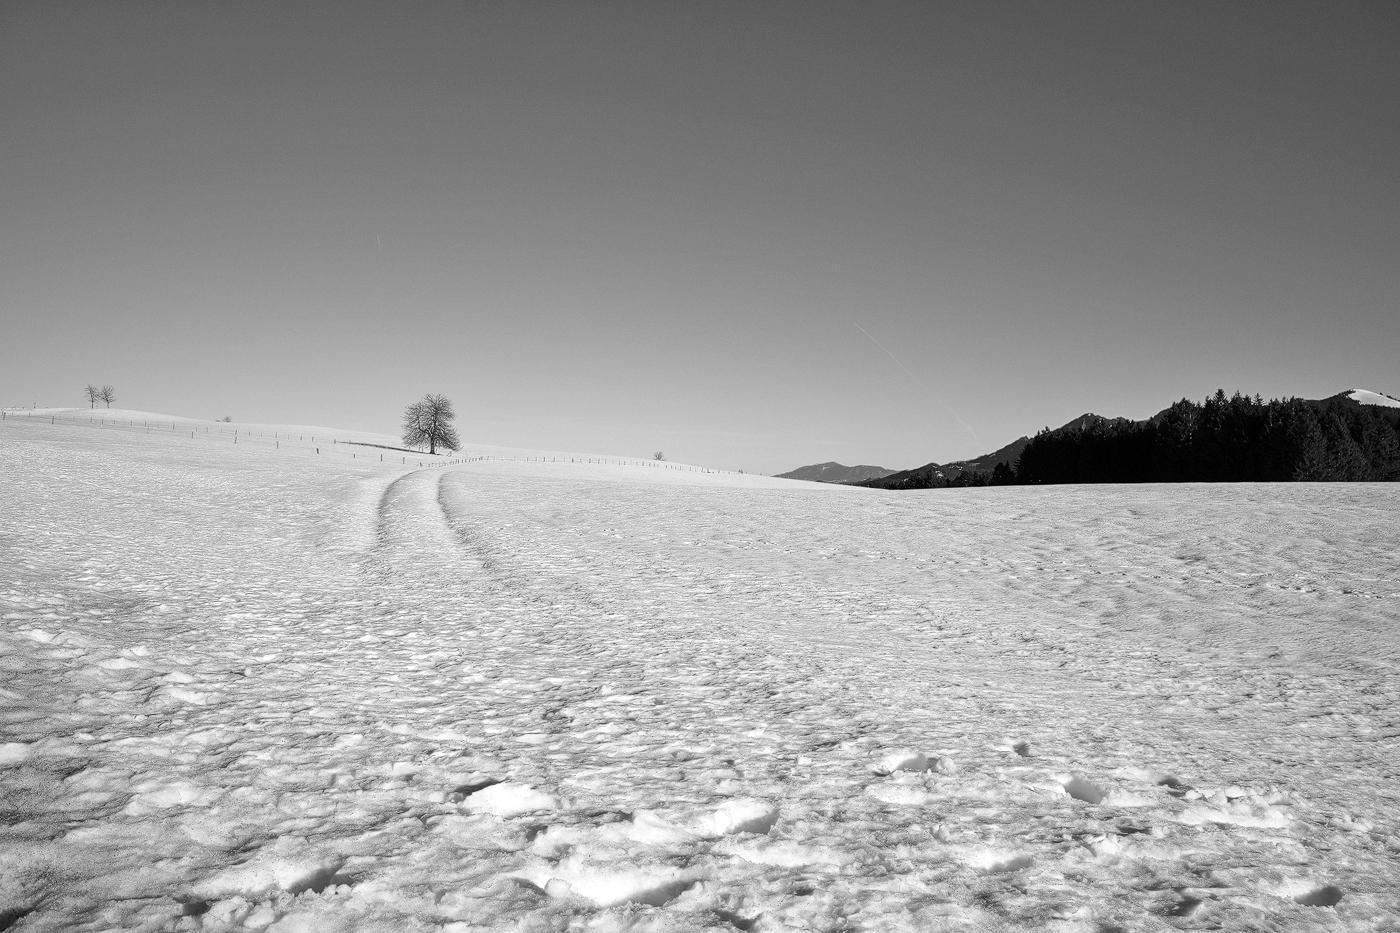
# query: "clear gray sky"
623,227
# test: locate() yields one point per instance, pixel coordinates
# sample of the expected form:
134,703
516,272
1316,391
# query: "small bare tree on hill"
108,395
94,395
429,421
658,456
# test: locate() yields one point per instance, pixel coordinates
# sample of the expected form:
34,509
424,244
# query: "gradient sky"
624,227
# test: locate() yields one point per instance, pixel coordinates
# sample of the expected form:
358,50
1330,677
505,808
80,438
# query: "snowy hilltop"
258,681
1367,397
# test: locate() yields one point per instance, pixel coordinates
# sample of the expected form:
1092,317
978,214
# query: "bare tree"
108,395
94,395
658,456
429,421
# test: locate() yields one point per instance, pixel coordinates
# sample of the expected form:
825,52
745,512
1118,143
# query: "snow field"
243,691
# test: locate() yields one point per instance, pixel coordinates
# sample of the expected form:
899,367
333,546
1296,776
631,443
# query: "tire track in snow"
619,610
413,549
475,547
531,587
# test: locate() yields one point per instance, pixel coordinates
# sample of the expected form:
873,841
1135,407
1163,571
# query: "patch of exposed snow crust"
508,800
254,687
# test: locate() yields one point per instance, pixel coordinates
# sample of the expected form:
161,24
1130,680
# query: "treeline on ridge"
1234,439
1223,439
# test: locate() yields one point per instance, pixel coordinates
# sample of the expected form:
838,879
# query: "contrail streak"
920,383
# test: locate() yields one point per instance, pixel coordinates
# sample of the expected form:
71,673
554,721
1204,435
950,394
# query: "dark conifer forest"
1224,439
1221,440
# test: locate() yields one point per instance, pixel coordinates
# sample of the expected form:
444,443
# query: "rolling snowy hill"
251,686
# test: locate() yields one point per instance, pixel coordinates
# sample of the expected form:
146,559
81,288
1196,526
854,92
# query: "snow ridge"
1367,397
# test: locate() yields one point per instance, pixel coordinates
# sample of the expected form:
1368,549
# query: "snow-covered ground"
252,686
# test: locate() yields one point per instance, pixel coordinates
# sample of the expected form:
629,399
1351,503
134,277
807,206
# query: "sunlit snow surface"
1366,397
256,688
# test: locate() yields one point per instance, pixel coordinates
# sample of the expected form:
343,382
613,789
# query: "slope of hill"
963,471
1365,400
833,472
988,462
1367,397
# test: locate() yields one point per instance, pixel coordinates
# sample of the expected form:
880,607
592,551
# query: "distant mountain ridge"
1353,436
929,473
974,471
833,472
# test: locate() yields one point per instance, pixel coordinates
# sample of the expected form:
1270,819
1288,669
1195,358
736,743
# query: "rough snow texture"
249,689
